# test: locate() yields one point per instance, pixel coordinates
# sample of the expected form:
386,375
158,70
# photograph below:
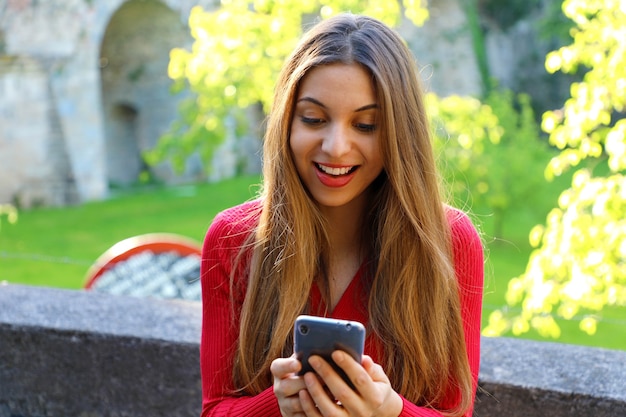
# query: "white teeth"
334,171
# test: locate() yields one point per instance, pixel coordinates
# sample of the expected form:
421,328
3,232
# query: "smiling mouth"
336,172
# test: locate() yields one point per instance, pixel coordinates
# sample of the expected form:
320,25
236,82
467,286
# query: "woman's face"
335,135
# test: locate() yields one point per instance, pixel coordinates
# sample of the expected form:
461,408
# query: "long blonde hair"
414,306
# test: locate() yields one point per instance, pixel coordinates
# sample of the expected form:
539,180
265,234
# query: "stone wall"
77,353
522,378
52,101
443,49
137,104
74,353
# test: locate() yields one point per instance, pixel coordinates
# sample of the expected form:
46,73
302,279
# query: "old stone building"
84,89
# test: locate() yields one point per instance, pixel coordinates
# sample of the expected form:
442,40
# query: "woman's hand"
287,384
374,396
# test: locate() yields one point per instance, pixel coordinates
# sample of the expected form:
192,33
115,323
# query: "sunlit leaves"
484,148
416,11
463,127
10,212
236,55
579,266
465,118
615,146
586,121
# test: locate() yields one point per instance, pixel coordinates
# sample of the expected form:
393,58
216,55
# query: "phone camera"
304,329
348,326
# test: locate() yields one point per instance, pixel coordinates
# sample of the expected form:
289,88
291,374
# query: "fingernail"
314,362
309,379
338,356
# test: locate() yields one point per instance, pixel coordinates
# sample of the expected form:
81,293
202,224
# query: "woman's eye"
311,121
363,127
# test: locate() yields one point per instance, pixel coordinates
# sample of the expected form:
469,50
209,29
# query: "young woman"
350,224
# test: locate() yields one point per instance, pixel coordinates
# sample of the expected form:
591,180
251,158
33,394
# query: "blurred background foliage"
10,212
579,265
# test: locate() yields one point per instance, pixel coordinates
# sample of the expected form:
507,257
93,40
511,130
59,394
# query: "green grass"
56,246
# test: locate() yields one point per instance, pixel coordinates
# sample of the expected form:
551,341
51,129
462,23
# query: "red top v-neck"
219,335
351,304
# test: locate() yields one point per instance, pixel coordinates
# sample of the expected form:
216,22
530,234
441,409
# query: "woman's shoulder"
461,226
234,223
467,248
242,214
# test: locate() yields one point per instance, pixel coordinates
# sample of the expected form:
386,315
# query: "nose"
336,141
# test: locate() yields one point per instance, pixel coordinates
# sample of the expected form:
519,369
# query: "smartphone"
321,336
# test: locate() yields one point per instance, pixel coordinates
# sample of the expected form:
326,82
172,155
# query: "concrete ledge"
527,378
77,353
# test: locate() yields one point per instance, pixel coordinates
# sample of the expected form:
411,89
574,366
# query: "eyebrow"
319,103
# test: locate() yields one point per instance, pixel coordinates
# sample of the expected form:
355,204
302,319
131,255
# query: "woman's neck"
345,225
346,251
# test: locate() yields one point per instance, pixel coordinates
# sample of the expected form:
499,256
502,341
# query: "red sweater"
219,337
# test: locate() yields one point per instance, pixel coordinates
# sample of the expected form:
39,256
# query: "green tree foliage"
237,52
463,127
579,266
491,153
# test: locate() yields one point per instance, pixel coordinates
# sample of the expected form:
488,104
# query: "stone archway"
137,104
124,156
